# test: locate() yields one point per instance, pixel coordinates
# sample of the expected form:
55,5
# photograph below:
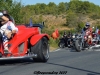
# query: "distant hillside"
59,22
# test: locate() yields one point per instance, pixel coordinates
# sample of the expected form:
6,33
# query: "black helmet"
4,12
87,24
65,32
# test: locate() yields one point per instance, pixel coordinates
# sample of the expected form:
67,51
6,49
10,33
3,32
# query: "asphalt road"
64,61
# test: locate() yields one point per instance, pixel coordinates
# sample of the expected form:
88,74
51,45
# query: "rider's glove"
9,28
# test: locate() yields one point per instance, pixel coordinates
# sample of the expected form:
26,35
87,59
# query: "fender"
34,39
22,36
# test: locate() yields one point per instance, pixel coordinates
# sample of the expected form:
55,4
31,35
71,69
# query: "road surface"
65,61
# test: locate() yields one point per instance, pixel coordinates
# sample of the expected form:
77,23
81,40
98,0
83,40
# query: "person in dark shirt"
89,32
87,27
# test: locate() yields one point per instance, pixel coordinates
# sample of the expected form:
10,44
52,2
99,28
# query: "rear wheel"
0,55
41,48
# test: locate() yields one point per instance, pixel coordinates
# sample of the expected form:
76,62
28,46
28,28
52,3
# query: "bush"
71,19
79,26
54,42
98,26
95,16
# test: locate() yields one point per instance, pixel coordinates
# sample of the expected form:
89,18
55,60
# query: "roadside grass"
53,44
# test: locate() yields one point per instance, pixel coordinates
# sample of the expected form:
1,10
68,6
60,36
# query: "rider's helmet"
87,25
65,33
4,12
69,34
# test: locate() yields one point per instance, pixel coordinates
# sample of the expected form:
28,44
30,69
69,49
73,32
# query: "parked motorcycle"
69,42
61,43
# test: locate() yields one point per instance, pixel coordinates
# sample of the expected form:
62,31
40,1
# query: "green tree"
16,12
52,8
71,19
6,4
62,8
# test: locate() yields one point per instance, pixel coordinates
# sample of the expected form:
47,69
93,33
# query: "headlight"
89,36
73,36
85,37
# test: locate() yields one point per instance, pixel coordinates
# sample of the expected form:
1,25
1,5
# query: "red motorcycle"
86,40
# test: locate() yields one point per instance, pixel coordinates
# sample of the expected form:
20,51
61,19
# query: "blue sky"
30,2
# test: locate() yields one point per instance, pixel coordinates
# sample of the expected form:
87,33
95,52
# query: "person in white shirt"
7,30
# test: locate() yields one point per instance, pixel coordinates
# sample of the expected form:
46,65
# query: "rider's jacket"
85,29
90,29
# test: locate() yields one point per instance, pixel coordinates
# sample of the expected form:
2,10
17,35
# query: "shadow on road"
73,49
16,62
69,49
89,72
92,74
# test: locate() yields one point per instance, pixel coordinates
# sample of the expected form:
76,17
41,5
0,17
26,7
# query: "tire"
41,48
0,55
78,45
61,45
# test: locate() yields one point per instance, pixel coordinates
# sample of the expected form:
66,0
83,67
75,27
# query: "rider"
65,37
88,29
7,30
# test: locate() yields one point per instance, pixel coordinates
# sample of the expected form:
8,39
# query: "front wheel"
61,44
78,45
41,48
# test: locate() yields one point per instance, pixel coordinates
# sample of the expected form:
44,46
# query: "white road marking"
56,50
96,50
75,50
